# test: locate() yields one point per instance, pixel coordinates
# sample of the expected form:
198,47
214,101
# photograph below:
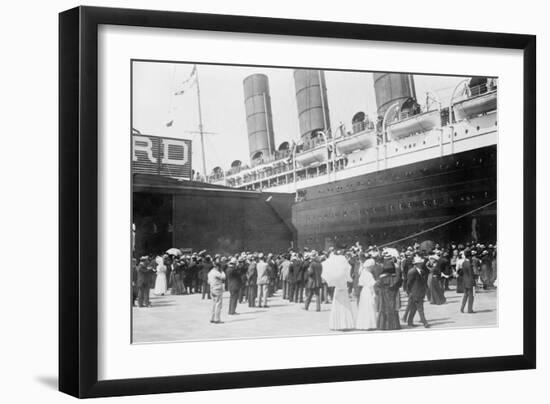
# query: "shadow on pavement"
48,381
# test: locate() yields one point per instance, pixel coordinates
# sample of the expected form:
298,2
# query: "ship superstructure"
411,167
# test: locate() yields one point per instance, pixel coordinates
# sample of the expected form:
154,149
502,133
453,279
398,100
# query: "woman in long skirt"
336,272
387,286
486,270
341,314
160,282
437,294
366,310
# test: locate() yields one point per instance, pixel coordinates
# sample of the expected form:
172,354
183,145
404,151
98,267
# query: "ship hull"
393,204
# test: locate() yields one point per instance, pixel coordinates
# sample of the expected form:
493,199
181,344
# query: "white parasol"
173,251
336,271
391,251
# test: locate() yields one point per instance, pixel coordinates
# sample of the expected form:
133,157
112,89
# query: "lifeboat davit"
419,123
476,105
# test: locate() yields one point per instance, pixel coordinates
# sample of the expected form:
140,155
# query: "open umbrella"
427,245
391,251
336,271
173,251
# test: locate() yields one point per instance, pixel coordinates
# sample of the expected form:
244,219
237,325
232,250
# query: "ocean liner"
426,170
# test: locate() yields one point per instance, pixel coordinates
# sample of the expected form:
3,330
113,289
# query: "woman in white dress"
336,272
366,309
160,282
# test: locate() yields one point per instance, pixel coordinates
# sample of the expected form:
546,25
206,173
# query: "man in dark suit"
416,289
242,268
234,284
204,268
144,279
469,282
251,280
293,275
190,276
134,280
299,280
407,266
445,269
314,282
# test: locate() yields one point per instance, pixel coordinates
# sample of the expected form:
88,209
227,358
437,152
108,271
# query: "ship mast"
201,130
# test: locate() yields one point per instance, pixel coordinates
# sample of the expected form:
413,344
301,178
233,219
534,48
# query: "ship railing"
311,144
478,90
358,127
277,160
279,155
407,114
483,88
215,177
267,172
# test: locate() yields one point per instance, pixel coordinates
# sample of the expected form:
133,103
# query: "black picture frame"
78,195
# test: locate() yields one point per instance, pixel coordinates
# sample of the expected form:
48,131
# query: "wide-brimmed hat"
369,263
418,260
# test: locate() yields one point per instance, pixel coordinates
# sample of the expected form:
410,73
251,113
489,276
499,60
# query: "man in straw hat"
216,282
262,280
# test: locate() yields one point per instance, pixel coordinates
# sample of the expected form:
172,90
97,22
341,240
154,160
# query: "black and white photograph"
276,202
272,202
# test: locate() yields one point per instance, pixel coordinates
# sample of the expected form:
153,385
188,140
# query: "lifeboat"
357,141
419,123
314,155
476,105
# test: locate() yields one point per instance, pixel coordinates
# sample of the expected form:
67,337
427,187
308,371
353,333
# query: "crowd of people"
369,277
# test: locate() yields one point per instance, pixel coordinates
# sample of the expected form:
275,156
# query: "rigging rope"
439,225
171,100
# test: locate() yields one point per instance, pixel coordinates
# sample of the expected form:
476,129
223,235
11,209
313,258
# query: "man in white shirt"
263,281
216,280
284,267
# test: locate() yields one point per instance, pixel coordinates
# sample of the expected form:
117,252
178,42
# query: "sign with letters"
164,156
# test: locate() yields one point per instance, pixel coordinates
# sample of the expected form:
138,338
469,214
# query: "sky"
223,111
